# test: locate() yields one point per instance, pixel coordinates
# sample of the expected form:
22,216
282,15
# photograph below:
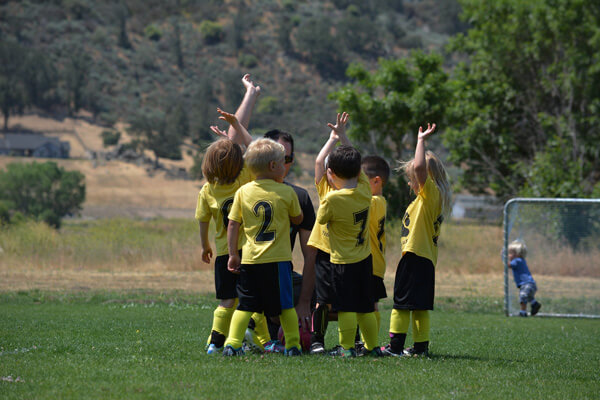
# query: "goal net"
562,237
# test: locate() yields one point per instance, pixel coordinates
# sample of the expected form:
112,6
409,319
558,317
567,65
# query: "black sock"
320,322
217,339
251,324
421,347
357,337
397,342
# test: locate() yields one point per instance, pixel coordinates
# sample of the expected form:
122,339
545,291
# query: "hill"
175,61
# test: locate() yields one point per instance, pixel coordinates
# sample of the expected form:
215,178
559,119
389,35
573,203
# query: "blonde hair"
517,248
437,172
222,162
261,152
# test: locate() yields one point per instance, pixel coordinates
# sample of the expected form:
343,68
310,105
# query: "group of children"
253,211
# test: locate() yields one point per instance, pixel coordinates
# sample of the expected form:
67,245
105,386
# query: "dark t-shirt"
308,211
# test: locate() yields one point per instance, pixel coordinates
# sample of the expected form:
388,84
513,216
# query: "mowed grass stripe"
138,345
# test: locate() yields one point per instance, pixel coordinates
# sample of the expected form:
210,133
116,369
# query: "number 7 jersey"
346,213
264,207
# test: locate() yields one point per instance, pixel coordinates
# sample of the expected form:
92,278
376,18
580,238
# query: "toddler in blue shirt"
523,279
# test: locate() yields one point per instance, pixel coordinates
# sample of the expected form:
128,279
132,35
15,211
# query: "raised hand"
225,116
429,131
249,85
218,131
339,129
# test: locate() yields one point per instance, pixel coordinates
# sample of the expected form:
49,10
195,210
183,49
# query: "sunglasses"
289,159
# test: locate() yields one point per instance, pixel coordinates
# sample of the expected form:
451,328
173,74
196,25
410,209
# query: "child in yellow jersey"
415,277
265,207
345,210
378,172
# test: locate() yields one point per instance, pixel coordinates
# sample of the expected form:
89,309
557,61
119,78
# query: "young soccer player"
345,198
265,207
523,279
415,276
378,172
223,168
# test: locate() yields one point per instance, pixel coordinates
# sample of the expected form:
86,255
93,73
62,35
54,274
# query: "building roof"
25,141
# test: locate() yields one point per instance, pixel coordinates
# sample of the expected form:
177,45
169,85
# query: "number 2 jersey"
377,234
346,213
264,207
422,222
214,201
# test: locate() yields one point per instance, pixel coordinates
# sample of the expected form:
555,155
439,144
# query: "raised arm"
244,111
420,164
338,133
237,132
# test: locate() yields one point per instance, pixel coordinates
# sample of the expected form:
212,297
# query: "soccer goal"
563,254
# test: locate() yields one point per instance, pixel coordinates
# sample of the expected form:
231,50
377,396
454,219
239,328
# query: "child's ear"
271,165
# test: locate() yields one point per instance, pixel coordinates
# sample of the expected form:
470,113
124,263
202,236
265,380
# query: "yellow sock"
261,328
347,329
368,328
399,321
289,323
378,318
221,321
420,326
237,329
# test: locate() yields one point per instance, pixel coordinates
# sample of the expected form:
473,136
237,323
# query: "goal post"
562,237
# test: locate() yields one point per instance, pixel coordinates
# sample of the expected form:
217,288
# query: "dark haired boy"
345,198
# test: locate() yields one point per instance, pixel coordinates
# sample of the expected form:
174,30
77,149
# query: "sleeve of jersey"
235,213
202,209
324,213
295,209
323,187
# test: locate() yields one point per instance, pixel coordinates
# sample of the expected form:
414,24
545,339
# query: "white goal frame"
506,232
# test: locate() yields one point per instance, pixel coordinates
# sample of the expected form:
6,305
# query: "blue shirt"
521,271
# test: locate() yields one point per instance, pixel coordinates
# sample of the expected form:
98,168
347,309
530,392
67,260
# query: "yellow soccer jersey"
346,213
265,207
422,222
319,236
214,201
377,234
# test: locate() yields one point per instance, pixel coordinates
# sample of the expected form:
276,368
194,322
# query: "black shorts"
378,288
414,285
266,288
323,278
225,281
352,286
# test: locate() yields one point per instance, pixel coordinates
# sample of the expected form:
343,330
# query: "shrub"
110,138
153,32
43,191
212,32
247,60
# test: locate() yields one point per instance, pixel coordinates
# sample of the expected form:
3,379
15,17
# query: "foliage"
110,138
153,32
43,191
12,88
247,60
150,127
315,40
211,31
528,98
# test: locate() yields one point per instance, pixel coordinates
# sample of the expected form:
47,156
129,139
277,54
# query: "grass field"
150,345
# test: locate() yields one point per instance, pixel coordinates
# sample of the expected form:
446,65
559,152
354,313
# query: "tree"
321,48
388,105
43,191
528,97
13,93
151,129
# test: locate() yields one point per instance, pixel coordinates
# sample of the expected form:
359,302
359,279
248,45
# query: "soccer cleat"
376,352
294,351
251,340
387,351
317,348
213,349
339,351
535,308
411,352
229,351
274,346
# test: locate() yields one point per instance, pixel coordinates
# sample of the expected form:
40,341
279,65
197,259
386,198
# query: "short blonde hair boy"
517,248
261,152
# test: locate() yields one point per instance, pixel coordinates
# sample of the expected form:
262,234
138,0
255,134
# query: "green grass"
151,346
